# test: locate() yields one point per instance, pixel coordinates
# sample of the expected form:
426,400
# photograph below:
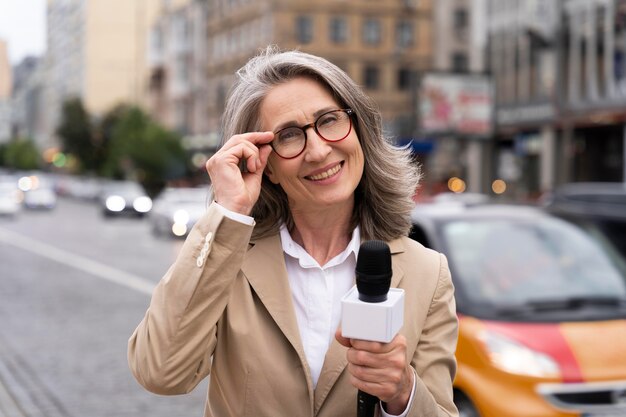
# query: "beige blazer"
225,309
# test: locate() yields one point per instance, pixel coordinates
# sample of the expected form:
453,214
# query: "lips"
325,174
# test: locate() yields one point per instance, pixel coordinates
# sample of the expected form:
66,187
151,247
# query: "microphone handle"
366,404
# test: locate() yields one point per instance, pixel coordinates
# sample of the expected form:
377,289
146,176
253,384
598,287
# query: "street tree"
21,154
76,133
142,149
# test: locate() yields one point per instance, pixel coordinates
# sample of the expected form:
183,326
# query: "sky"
23,27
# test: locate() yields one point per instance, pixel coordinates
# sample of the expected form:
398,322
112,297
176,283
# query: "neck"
323,234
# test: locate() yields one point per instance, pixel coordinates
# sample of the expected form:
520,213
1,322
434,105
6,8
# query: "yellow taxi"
542,312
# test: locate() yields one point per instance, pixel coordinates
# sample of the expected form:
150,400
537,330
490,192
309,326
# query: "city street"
73,286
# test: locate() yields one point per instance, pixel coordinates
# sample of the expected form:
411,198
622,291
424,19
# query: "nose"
317,149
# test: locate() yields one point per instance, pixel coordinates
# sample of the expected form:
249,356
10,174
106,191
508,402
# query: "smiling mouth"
327,174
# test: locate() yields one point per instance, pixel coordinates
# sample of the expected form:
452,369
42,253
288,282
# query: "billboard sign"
456,104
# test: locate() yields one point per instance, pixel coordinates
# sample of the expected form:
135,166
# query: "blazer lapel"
265,269
335,360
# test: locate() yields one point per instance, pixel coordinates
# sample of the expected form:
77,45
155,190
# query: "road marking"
82,263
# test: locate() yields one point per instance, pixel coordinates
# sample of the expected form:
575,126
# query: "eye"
328,119
288,135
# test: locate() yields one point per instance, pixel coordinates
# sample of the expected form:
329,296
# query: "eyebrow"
316,114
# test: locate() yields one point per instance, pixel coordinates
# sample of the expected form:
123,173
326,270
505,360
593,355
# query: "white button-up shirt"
316,291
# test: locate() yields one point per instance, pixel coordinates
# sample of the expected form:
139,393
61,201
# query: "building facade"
460,37
96,50
381,45
593,91
559,71
28,111
523,60
178,86
177,64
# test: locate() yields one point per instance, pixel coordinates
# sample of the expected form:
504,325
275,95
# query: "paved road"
73,286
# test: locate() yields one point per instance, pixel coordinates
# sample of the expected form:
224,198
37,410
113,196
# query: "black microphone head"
373,271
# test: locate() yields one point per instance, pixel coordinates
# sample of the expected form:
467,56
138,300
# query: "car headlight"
513,357
142,204
115,203
181,216
179,229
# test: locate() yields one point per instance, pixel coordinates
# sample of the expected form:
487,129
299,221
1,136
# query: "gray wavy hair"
384,196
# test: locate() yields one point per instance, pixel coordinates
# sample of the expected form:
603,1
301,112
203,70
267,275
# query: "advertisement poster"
456,104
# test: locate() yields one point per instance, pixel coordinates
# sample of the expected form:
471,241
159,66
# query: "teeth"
326,174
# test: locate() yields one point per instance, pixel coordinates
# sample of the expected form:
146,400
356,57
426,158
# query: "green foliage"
125,144
103,133
143,150
75,131
21,153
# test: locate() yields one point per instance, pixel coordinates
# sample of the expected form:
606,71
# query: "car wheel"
465,405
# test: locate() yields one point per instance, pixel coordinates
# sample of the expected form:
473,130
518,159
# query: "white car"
40,198
10,198
176,210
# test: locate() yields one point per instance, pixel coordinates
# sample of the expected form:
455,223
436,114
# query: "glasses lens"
289,142
334,125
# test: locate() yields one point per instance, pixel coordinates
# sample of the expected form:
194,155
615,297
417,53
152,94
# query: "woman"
254,296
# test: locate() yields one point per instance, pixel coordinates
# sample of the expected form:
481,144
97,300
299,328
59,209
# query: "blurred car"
124,197
465,198
10,196
38,191
542,312
176,210
599,208
40,198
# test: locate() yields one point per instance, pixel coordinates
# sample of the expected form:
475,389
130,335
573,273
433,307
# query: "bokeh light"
25,183
456,185
498,186
198,159
59,160
179,229
49,154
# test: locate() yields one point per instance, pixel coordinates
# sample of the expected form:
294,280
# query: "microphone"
373,278
373,271
371,310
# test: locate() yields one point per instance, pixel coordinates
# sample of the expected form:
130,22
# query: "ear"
269,171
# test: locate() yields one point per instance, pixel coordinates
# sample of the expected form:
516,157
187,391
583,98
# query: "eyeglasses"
331,126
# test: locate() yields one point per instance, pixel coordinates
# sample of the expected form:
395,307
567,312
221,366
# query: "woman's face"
326,173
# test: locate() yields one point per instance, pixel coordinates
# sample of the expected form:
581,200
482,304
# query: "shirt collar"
293,249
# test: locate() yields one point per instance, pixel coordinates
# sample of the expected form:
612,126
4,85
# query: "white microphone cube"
378,322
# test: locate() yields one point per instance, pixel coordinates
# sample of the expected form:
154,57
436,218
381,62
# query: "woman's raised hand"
235,190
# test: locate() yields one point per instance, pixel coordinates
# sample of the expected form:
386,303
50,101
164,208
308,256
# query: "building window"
304,29
404,34
460,18
181,72
338,30
459,62
371,32
460,23
404,79
371,77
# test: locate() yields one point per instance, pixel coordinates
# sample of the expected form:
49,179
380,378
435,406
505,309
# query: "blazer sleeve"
170,351
434,358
